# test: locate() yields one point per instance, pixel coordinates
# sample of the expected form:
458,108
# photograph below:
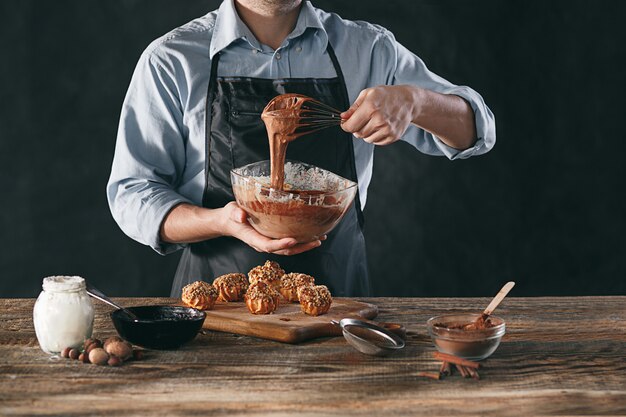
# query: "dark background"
546,207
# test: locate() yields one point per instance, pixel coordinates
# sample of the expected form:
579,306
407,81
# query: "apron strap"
346,100
208,116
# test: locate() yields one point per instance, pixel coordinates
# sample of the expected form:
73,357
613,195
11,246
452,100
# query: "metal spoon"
99,295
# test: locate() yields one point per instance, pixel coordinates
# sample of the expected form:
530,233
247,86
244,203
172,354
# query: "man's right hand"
187,223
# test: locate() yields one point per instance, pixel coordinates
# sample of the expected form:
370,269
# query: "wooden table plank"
561,356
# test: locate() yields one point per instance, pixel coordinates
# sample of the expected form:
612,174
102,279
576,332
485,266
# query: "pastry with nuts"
262,298
231,287
200,295
289,284
270,273
314,299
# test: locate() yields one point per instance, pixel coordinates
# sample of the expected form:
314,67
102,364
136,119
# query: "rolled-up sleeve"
407,68
149,155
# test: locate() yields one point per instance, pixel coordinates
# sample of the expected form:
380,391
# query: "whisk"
310,115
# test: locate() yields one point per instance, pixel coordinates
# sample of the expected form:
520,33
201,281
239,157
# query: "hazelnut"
98,356
92,346
111,339
114,361
122,350
74,353
138,354
92,342
65,353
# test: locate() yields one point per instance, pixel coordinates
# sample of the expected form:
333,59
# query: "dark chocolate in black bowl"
159,327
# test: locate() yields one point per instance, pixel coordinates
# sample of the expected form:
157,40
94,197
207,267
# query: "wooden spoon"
480,321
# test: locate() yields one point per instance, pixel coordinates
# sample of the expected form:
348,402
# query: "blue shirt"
160,152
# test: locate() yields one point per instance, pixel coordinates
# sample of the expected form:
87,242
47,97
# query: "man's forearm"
449,117
187,223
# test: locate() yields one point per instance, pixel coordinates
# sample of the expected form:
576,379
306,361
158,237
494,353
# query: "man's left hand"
380,115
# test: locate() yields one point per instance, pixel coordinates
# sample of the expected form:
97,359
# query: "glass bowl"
312,204
467,344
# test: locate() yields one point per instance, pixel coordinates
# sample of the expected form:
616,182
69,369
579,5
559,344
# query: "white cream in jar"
63,314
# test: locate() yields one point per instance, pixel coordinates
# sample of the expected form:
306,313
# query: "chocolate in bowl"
449,337
311,204
158,327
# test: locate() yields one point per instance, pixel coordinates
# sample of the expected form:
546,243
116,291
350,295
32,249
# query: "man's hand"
237,226
380,115
187,223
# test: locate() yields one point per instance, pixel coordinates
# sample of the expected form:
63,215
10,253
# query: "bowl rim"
120,315
248,179
489,333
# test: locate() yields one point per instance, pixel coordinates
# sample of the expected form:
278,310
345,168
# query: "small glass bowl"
316,202
473,345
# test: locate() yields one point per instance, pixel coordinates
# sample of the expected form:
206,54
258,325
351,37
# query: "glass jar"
63,314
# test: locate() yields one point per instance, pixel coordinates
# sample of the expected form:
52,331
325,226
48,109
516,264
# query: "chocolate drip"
286,118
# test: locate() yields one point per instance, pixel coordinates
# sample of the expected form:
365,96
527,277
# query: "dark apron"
236,136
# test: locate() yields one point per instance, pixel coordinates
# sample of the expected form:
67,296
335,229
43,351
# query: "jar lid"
62,283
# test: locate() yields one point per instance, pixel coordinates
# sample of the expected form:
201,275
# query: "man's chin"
274,7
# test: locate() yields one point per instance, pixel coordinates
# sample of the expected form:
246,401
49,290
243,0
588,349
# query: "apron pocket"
248,141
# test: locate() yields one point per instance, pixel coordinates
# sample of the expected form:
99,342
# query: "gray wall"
545,207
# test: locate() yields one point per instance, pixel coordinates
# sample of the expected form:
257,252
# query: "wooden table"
561,356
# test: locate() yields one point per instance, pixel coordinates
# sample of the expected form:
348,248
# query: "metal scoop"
369,338
99,295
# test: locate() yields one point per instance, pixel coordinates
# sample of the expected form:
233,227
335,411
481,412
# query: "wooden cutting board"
288,323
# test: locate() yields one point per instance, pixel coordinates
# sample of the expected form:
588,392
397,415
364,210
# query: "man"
192,113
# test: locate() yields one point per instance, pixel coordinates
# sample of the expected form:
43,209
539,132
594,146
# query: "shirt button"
298,49
278,56
255,51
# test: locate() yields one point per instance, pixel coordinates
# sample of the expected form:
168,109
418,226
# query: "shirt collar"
230,28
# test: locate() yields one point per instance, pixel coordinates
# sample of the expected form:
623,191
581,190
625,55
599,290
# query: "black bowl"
159,327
